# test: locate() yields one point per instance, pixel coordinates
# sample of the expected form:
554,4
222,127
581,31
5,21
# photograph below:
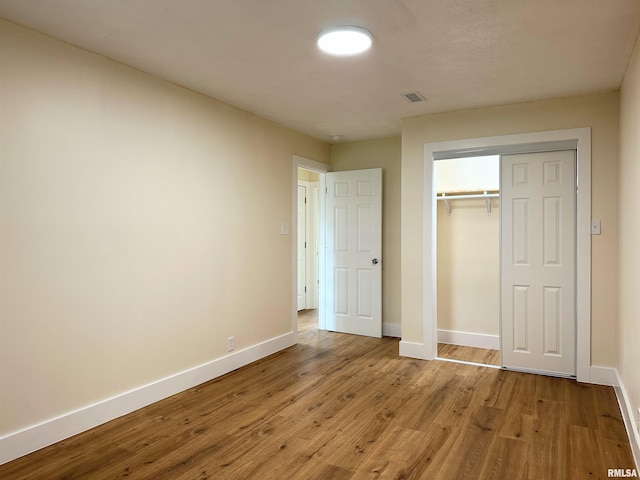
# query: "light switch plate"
595,227
284,229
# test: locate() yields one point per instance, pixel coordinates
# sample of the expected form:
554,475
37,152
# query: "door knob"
374,261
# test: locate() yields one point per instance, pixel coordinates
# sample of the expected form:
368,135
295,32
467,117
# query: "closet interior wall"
468,248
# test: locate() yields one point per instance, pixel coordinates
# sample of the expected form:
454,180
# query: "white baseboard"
413,350
603,376
35,437
478,340
628,416
391,330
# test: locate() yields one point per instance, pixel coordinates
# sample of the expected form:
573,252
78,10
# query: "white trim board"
391,330
628,417
412,350
603,376
581,137
35,437
477,340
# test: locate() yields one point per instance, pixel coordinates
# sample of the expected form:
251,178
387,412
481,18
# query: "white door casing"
302,254
538,222
424,346
313,243
354,252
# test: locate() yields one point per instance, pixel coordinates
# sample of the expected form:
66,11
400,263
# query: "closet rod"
462,197
485,195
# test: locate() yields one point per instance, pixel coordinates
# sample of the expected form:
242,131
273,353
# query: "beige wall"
629,330
468,267
467,174
308,175
384,153
468,247
134,217
600,112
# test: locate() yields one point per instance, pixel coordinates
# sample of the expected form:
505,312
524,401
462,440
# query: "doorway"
578,139
316,319
308,245
468,263
527,311
349,249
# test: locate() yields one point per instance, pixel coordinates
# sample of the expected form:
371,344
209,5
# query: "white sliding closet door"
538,205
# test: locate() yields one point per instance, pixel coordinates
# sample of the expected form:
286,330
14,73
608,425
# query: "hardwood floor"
307,321
346,407
485,356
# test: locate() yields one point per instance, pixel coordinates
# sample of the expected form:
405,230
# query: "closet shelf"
486,194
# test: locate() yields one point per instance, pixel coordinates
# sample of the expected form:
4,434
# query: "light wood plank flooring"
347,407
485,356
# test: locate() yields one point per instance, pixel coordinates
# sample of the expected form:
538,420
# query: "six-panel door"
354,249
538,202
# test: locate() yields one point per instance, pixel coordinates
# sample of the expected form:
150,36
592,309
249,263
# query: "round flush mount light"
345,40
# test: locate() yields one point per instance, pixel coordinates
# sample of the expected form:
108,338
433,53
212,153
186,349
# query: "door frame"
304,184
578,139
312,233
321,168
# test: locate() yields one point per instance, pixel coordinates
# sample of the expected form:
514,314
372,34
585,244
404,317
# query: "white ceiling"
260,55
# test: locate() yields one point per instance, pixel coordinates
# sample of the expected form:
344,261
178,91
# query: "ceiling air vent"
414,97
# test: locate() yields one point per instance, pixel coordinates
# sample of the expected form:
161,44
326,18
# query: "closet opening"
308,246
468,259
566,164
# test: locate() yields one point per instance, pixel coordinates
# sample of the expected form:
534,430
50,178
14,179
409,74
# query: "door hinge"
305,289
305,200
305,244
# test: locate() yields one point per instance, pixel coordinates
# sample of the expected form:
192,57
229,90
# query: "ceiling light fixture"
344,40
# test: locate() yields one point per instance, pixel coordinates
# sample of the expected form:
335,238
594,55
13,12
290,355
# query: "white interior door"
538,204
302,246
354,249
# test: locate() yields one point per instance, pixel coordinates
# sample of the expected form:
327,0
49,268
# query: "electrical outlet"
230,344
